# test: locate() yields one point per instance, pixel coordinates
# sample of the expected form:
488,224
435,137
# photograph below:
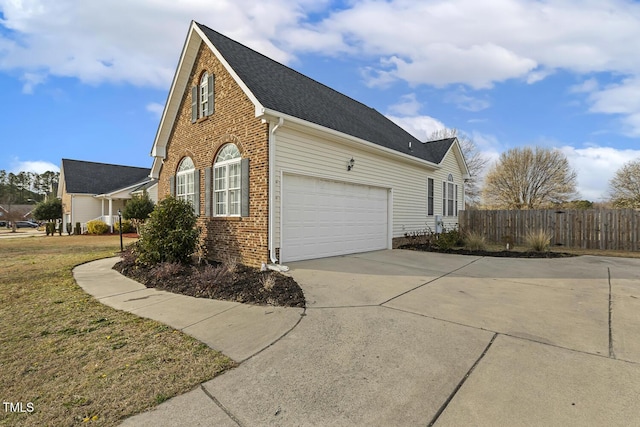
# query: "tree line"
27,187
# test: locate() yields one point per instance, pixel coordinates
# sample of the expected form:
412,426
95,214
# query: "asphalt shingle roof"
83,177
280,88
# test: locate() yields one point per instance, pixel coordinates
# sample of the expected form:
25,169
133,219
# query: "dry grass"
78,361
538,241
475,241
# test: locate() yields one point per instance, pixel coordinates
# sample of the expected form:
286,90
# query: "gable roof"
81,177
282,89
279,92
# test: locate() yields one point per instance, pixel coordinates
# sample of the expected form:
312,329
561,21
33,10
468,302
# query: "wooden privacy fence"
573,228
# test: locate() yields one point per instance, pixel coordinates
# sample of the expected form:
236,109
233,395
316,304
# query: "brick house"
281,168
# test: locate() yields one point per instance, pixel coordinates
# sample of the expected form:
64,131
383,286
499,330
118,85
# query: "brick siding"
234,121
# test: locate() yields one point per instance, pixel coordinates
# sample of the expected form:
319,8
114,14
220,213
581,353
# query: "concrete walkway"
237,330
407,338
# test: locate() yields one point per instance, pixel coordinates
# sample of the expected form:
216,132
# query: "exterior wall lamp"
350,164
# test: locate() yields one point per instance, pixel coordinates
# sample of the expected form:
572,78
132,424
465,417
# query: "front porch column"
109,221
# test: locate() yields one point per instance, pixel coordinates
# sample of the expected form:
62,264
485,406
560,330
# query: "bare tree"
624,187
476,162
529,178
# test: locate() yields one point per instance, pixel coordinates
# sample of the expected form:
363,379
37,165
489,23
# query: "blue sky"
83,81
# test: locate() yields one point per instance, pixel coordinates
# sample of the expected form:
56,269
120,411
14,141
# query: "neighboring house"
282,168
22,212
92,190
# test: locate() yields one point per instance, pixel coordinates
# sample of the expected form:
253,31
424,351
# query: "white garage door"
322,218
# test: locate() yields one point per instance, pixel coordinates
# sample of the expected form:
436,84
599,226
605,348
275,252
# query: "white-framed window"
227,181
204,95
430,196
185,181
449,197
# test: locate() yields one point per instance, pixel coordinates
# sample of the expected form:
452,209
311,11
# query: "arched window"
227,181
449,197
204,95
185,181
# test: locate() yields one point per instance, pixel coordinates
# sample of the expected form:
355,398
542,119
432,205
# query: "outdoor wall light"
350,164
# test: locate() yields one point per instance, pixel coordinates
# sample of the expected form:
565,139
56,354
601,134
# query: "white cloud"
466,102
155,109
595,166
35,166
408,106
135,42
587,86
31,80
439,43
419,126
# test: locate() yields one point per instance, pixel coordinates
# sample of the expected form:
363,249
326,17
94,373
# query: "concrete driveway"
407,338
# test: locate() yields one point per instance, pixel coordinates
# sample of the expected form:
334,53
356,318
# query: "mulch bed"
504,254
217,281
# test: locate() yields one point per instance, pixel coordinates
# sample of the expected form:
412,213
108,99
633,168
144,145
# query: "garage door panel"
326,218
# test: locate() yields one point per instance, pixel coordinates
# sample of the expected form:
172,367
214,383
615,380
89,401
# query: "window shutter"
172,186
196,191
244,187
210,93
194,104
207,191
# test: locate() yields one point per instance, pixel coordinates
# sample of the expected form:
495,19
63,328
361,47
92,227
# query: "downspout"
272,157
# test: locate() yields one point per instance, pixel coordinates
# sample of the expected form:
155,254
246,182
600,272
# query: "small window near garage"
449,197
430,198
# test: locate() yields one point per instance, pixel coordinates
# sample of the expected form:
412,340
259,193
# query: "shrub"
170,234
138,210
420,237
97,227
230,263
166,270
268,281
538,241
212,275
449,239
48,211
475,241
69,229
78,229
127,227
60,228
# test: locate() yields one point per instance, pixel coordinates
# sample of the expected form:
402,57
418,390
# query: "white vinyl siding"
301,153
87,207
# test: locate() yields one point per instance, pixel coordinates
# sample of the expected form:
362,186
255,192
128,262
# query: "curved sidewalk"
237,330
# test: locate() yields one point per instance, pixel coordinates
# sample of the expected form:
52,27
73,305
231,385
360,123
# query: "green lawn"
75,360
